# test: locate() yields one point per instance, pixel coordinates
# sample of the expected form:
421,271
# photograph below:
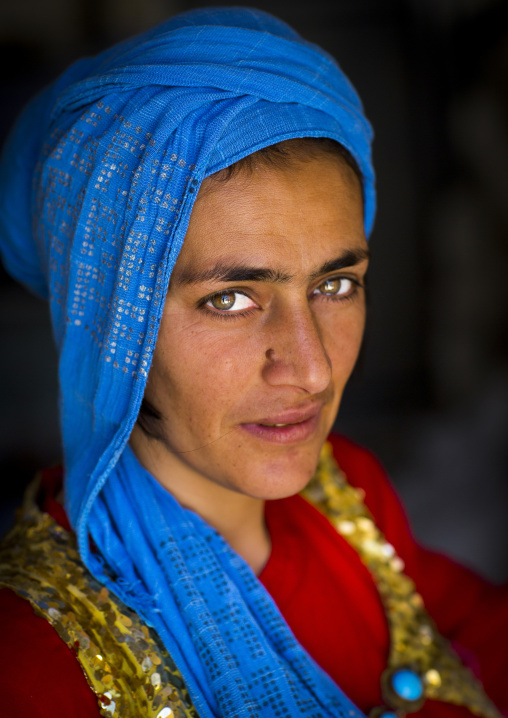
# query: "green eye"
331,286
224,300
340,287
233,302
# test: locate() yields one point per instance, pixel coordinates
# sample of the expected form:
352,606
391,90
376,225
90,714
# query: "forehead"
297,215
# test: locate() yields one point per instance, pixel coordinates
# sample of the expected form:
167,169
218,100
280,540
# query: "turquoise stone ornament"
382,712
407,685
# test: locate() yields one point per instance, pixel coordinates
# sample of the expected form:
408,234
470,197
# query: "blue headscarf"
97,183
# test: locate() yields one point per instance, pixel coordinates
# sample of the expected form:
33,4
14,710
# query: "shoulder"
39,675
353,458
364,471
83,632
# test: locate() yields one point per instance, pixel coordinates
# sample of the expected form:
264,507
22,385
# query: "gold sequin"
432,678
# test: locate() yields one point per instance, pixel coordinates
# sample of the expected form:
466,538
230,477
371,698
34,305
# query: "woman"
199,381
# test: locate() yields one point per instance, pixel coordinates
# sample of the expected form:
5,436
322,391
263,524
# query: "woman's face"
261,329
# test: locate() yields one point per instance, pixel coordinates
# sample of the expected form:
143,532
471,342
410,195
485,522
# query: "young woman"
195,203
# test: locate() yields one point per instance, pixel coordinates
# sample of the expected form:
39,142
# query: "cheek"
343,341
198,370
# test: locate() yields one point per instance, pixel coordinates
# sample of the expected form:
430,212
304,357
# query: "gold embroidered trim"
129,669
414,640
125,664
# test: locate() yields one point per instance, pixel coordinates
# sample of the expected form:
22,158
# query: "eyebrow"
222,272
349,258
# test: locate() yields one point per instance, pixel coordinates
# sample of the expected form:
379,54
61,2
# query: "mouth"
290,427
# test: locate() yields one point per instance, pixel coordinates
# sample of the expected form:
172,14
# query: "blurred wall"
430,396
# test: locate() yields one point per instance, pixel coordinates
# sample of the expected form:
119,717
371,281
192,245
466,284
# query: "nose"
296,355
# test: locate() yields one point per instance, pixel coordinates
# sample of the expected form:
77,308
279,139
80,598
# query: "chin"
284,476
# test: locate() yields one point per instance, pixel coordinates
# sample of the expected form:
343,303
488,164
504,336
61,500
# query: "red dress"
325,594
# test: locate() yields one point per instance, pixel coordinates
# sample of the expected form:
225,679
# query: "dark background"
430,396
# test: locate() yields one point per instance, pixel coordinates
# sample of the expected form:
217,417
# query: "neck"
241,523
237,517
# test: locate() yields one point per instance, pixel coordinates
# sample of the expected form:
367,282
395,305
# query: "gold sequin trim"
130,671
125,664
414,640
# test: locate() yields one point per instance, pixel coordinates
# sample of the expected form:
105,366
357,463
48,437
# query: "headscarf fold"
97,183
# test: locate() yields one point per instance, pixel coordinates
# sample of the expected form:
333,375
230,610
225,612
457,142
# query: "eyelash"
219,314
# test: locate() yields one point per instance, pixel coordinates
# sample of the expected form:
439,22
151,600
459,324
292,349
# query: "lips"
291,416
292,426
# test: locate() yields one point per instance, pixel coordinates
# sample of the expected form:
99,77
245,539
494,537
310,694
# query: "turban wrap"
97,183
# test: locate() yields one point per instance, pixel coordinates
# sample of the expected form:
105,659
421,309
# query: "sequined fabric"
414,640
127,667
